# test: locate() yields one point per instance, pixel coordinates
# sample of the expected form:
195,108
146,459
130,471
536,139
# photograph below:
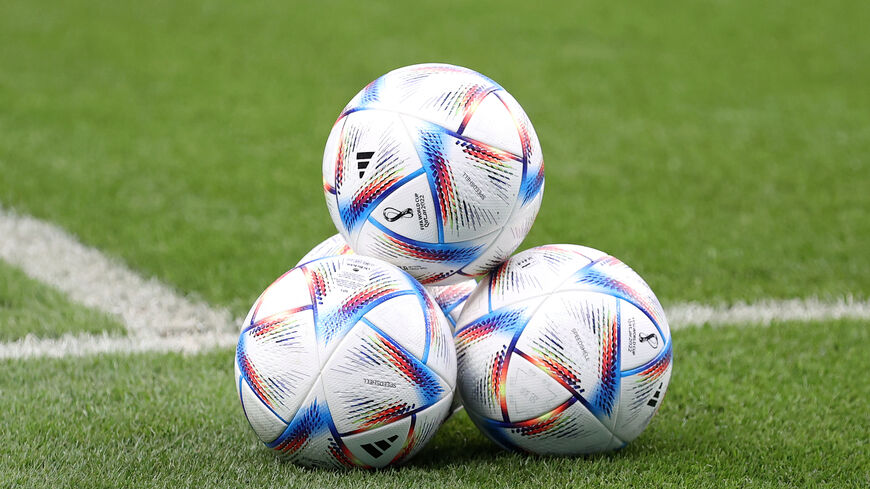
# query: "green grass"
761,407
29,307
720,148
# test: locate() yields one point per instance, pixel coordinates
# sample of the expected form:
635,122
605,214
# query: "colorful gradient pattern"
439,171
555,424
437,253
602,275
590,371
607,332
549,357
448,297
375,353
411,442
434,340
503,321
413,370
282,328
649,379
371,413
507,277
485,167
460,100
552,423
508,324
533,174
532,184
311,423
387,170
334,322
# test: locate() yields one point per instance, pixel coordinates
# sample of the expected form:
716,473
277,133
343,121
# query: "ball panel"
640,395
288,293
476,185
433,344
310,438
451,298
442,94
265,423
344,289
530,390
482,351
493,124
640,341
424,424
374,155
393,316
333,246
409,211
508,239
611,276
275,358
372,381
378,447
533,176
430,263
569,429
536,271
574,338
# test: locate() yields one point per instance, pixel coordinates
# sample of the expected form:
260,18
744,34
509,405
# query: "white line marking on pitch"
156,317
159,319
764,312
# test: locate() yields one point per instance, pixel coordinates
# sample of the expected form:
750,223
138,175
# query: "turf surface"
720,148
28,307
760,407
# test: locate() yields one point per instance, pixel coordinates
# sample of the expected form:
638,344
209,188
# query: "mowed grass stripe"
31,309
771,407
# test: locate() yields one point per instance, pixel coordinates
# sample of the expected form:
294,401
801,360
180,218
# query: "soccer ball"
436,169
345,362
562,350
450,298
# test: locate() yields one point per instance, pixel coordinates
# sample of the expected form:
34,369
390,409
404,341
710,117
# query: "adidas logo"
378,448
655,398
363,158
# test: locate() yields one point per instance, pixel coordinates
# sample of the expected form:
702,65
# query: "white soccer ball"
563,350
436,169
450,298
345,362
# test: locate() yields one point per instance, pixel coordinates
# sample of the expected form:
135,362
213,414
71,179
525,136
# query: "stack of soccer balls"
433,175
